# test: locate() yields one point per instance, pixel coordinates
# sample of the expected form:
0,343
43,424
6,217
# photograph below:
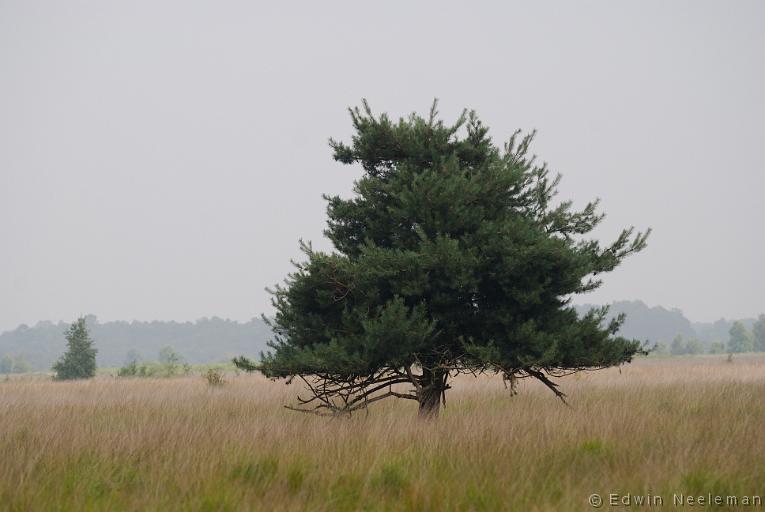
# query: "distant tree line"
674,334
213,340
15,364
206,341
170,363
740,339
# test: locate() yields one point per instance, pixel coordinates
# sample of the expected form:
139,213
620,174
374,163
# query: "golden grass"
693,425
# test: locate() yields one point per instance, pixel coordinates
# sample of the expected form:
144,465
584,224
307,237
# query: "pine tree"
740,338
79,361
451,258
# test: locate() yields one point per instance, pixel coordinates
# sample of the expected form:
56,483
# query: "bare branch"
547,382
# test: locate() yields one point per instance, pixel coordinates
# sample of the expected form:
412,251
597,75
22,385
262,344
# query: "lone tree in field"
79,361
451,258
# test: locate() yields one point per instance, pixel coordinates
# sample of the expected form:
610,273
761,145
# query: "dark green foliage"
450,258
79,361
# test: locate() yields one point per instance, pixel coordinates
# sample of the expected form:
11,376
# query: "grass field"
658,427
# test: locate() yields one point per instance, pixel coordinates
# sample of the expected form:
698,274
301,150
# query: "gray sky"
160,159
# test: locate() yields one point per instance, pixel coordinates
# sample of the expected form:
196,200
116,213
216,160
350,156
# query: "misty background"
160,160
217,340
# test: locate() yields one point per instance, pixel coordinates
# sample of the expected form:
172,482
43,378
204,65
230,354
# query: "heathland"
656,427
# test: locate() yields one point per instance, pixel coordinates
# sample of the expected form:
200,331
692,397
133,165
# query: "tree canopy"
451,257
79,361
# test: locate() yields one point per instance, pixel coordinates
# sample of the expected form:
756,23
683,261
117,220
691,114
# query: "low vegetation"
657,425
215,377
151,369
170,364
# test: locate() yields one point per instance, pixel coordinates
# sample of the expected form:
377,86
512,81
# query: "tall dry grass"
692,425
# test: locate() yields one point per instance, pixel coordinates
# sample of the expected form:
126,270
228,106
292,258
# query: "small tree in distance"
740,338
678,346
6,364
451,258
79,361
694,347
758,334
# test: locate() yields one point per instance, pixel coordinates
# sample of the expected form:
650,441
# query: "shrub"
214,377
129,370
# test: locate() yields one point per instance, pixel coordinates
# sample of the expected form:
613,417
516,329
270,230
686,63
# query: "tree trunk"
431,393
430,402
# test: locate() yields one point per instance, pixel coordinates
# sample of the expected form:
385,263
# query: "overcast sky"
161,159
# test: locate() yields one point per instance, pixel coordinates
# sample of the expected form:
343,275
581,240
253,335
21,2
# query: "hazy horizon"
258,317
160,160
